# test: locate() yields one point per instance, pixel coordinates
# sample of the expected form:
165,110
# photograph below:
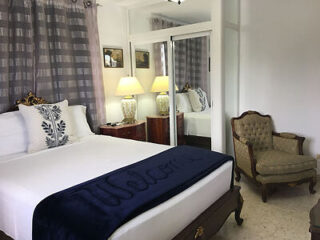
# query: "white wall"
231,83
280,65
112,23
231,67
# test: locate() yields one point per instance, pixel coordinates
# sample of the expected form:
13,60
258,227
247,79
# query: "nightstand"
158,129
136,131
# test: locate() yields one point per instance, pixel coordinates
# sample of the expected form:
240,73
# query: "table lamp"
161,85
127,87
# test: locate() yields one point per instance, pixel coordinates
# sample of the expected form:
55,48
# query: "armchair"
267,157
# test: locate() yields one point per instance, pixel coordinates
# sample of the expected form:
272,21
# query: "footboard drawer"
210,221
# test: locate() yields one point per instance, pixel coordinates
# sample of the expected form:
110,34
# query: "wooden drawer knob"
199,232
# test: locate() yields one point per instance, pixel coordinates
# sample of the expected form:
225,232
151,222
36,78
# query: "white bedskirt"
198,123
27,179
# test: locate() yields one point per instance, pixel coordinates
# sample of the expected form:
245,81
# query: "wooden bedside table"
158,129
136,131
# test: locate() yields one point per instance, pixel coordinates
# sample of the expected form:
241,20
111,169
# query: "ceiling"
190,11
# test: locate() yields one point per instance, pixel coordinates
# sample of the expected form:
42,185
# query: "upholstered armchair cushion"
257,129
278,162
285,178
287,143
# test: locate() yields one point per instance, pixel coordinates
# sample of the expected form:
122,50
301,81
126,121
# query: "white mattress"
198,123
26,180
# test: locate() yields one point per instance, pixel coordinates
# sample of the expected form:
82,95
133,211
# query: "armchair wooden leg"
238,176
264,192
312,183
237,213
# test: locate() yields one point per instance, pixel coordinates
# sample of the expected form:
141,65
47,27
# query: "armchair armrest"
244,155
288,142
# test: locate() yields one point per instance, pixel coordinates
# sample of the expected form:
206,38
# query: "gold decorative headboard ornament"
31,99
186,88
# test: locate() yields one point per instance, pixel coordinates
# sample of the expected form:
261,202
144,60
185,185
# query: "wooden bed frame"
207,223
196,141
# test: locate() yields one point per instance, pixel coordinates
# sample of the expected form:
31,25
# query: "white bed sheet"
26,180
198,123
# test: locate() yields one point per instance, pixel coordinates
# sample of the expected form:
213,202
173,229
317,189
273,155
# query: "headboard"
31,99
186,88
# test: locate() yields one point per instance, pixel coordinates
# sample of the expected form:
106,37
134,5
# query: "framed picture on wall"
142,59
113,57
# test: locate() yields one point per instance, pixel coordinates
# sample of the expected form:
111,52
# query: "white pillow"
183,103
48,125
13,134
198,100
79,122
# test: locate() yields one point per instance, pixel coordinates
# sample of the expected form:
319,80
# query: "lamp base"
163,103
129,107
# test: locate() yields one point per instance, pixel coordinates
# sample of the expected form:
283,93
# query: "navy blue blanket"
96,208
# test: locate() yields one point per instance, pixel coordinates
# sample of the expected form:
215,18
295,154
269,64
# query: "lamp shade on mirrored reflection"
161,84
129,86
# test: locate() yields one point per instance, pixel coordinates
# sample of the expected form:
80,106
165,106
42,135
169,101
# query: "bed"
197,119
197,128
198,123
26,179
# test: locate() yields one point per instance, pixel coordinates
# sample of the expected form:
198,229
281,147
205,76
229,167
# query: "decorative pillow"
198,100
79,122
183,103
48,125
13,134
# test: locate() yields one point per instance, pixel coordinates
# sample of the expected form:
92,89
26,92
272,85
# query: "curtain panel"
16,52
192,63
46,46
96,63
161,49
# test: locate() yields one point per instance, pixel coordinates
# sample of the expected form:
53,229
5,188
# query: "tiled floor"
284,217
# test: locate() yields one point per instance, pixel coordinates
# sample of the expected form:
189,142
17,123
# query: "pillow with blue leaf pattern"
48,125
198,100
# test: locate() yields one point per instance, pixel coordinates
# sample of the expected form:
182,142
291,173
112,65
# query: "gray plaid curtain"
191,58
192,63
96,63
157,24
16,52
45,49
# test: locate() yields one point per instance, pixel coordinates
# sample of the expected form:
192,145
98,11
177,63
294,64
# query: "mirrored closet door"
177,41
176,77
191,72
150,62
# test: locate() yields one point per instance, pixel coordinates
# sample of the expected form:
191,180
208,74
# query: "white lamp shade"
161,84
129,86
